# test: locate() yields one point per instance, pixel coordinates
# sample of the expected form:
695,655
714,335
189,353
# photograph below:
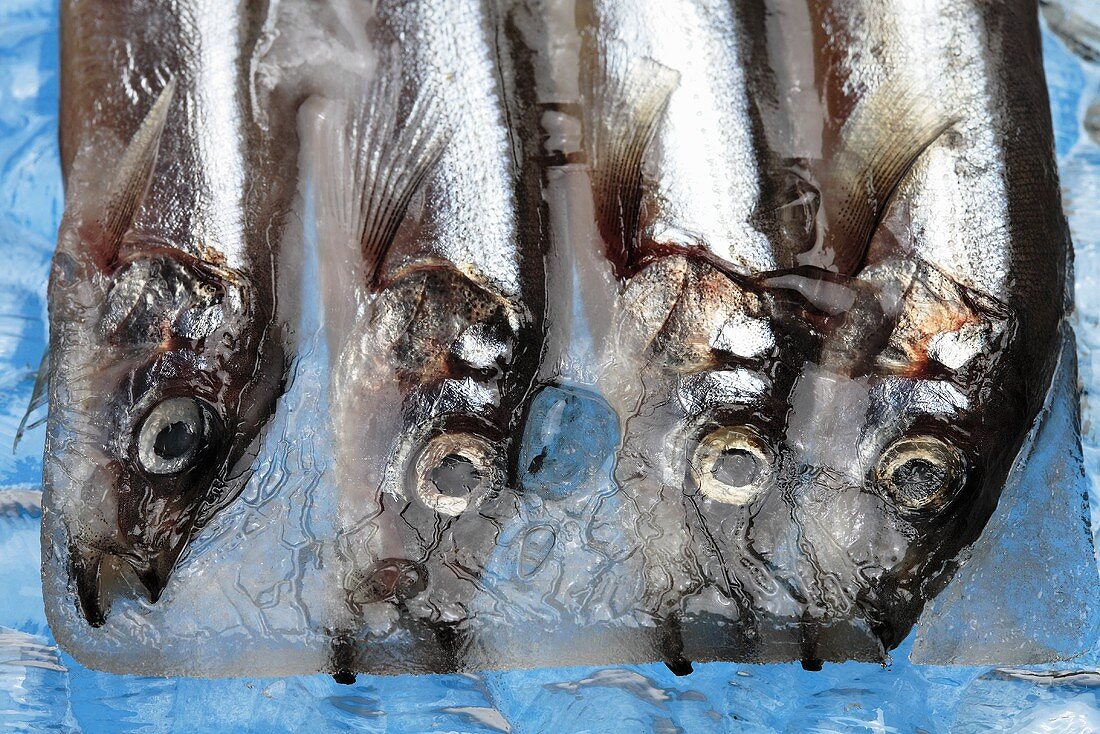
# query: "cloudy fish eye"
452,471
732,464
920,472
172,436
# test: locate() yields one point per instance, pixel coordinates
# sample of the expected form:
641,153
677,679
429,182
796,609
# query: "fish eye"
173,435
453,470
732,464
920,472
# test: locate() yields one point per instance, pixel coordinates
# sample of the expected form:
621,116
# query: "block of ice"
1028,590
254,593
505,440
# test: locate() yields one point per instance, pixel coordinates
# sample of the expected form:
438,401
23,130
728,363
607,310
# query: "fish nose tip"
153,567
93,589
154,582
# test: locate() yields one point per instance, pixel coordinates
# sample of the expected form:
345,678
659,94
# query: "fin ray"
878,146
378,162
131,182
39,397
622,119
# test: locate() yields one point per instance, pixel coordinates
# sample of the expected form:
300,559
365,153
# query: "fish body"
695,203
926,387
564,573
419,181
166,356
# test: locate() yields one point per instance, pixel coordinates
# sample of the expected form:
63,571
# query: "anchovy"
431,285
166,357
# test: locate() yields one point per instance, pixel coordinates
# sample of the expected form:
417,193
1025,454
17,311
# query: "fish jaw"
158,333
151,567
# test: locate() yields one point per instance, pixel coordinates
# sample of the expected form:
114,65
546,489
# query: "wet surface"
46,689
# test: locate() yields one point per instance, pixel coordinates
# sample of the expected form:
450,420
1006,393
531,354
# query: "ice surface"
717,696
1037,547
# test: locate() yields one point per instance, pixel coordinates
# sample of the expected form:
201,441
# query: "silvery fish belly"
166,356
427,263
843,256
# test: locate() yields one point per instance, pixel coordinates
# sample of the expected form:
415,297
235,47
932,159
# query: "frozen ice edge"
1037,547
757,698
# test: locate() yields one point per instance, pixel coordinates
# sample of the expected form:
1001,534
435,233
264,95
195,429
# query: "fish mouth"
102,576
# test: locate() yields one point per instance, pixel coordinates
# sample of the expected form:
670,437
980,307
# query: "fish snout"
153,570
105,572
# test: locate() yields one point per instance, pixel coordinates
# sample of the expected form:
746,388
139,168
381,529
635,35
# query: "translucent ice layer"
1036,547
623,699
676,332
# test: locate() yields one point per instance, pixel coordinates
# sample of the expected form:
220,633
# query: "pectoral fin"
39,398
877,146
626,107
373,155
131,182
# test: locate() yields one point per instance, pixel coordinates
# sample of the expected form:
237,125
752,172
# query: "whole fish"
432,284
166,355
941,215
827,368
699,190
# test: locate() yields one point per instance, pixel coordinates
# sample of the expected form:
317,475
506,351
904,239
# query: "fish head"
902,434
155,378
428,447
164,364
701,365
814,475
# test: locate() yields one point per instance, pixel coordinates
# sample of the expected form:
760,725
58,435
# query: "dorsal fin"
376,155
625,107
132,178
877,147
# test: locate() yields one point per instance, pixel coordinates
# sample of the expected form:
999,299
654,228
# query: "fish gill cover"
400,338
